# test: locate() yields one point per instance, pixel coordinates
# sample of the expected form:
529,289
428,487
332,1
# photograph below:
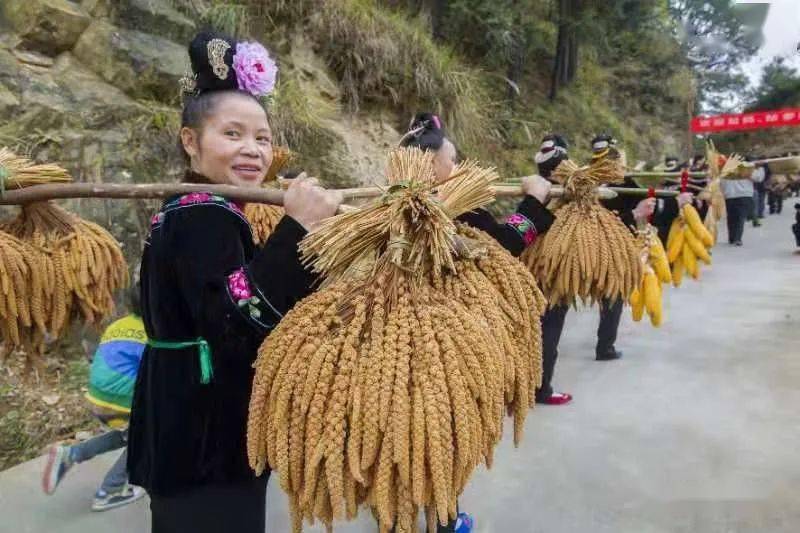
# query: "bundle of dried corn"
647,296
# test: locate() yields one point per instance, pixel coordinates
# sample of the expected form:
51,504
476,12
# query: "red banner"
747,121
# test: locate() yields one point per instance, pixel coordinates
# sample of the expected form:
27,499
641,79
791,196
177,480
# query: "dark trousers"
553,325
775,202
760,198
738,212
239,507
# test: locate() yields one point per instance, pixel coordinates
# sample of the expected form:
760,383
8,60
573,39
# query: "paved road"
696,430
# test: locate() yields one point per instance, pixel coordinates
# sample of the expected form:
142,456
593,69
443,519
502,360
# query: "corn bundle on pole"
656,271
387,386
688,244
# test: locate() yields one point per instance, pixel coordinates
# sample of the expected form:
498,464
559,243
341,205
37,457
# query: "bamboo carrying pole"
776,159
654,174
54,191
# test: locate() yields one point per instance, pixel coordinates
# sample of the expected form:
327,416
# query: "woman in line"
518,231
209,298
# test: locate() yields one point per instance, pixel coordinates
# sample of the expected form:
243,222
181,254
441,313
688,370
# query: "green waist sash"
203,351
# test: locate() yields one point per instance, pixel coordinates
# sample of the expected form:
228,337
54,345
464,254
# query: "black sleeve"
666,213
623,205
230,299
519,230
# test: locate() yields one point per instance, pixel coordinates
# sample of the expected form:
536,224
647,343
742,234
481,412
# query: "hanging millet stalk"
387,386
74,266
588,253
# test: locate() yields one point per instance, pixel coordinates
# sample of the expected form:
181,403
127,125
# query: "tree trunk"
516,61
565,66
437,11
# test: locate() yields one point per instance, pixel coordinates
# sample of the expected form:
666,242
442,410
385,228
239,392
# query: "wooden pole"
56,191
776,159
676,175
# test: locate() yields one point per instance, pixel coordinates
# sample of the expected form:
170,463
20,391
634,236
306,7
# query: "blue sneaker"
58,463
105,500
464,523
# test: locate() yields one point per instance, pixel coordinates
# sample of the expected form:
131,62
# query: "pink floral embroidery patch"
524,227
242,293
194,198
239,285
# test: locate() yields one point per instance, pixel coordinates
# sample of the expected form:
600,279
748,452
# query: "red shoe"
557,398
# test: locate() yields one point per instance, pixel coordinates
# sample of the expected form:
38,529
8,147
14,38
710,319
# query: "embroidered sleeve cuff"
523,226
536,212
250,301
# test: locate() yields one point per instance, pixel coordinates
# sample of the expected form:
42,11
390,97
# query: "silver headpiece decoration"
216,57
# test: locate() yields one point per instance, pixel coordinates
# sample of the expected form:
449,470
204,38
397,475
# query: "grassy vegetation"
386,58
37,412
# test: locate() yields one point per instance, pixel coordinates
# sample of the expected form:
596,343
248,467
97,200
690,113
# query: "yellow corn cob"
697,247
656,318
692,218
652,293
675,245
659,261
637,305
690,261
677,272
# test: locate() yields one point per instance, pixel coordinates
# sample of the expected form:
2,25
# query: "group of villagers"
367,358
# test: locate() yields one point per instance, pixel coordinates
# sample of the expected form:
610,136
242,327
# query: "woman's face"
444,161
234,146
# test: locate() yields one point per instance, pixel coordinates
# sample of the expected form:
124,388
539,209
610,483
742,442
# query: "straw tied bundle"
55,266
387,386
588,253
719,168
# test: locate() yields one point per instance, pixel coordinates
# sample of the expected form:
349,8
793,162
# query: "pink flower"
239,285
194,198
255,70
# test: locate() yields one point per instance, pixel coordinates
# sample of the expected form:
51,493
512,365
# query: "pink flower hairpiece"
256,72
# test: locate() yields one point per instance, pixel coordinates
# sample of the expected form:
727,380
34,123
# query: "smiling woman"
209,297
233,148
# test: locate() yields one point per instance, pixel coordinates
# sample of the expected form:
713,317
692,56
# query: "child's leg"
83,451
117,476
